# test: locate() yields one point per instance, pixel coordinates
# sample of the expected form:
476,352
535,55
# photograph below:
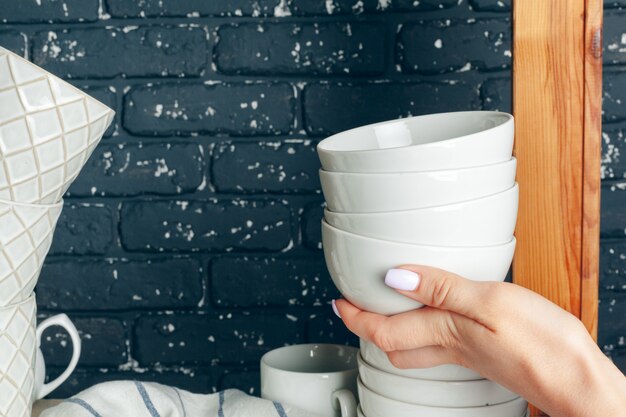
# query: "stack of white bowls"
48,130
435,190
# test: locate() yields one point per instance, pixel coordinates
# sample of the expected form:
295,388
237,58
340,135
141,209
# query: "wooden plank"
557,81
591,173
548,103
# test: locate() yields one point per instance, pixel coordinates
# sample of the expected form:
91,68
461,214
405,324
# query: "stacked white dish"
48,130
435,190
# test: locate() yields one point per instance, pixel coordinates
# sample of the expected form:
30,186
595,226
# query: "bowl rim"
333,229
507,119
47,73
361,385
513,189
264,359
17,304
503,164
362,362
46,206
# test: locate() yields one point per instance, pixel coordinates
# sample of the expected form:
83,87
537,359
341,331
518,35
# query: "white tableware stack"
48,130
435,190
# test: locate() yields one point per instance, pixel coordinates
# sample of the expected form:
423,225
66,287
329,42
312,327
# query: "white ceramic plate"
422,143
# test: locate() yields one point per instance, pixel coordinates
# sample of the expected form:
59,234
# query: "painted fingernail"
335,308
402,279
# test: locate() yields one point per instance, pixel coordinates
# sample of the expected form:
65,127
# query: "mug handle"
63,321
344,400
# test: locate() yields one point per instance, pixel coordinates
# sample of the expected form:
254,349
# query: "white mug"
42,389
318,378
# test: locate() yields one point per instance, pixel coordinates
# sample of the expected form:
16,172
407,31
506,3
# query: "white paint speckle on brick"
330,6
282,9
384,4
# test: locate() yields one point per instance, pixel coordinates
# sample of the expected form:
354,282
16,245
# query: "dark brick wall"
190,244
612,312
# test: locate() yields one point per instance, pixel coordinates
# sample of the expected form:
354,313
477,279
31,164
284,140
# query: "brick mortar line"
386,16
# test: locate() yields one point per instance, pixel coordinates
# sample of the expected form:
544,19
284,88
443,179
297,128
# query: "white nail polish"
402,279
335,308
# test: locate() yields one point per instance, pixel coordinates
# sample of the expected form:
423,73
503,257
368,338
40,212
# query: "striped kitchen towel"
139,399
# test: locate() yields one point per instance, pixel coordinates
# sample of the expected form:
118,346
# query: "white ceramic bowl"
372,193
377,358
422,143
482,222
359,412
476,393
48,130
26,232
358,264
375,405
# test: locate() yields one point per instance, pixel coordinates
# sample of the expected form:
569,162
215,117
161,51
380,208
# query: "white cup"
422,143
317,378
48,130
376,357
375,405
41,388
382,192
482,222
476,393
358,264
25,239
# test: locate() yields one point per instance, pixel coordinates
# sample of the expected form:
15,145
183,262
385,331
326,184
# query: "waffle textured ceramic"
25,239
17,351
48,130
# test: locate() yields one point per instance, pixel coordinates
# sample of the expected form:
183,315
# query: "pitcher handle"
63,321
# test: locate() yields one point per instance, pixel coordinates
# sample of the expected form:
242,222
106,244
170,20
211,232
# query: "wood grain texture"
557,88
548,103
591,174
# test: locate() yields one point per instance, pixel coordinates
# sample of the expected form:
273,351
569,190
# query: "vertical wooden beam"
548,103
592,157
557,81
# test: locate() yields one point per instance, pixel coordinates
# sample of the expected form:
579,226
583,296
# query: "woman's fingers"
443,290
413,329
426,357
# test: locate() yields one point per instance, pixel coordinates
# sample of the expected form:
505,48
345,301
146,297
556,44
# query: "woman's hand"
505,332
